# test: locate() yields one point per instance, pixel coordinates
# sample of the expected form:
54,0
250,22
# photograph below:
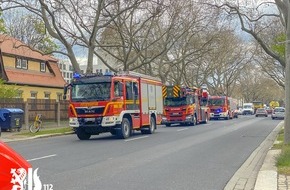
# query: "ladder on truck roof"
135,74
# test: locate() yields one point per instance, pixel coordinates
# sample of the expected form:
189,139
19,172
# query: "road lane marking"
182,129
43,157
137,138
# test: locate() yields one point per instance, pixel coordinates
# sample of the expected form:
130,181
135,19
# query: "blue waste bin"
11,118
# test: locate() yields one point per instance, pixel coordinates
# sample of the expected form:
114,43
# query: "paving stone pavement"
283,182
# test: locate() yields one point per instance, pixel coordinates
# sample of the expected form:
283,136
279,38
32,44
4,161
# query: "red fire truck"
184,105
118,104
222,107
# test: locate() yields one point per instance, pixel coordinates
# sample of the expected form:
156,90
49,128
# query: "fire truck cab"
184,105
222,107
118,103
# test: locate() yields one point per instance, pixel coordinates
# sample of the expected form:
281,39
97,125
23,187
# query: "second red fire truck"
184,105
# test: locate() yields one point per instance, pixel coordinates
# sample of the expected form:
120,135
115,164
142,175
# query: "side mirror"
65,91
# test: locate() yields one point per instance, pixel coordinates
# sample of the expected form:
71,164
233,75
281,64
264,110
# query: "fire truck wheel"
152,126
193,121
82,134
206,119
125,130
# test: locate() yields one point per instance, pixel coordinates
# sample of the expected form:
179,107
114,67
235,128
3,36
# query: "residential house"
37,75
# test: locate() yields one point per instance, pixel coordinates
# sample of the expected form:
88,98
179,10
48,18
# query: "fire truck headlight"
73,122
73,119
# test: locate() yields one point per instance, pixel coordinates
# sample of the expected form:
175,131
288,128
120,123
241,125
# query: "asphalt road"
202,157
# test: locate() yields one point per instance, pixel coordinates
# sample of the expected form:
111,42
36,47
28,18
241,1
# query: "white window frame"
42,66
33,95
21,63
24,63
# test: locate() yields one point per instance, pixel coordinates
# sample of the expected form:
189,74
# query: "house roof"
9,45
26,77
14,47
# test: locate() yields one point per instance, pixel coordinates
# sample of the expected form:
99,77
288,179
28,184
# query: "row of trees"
189,42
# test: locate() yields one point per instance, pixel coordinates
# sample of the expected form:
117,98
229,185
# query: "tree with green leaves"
8,91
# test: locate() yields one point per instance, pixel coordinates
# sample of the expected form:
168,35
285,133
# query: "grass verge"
283,160
61,130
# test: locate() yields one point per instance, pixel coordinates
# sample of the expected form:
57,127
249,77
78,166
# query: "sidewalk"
14,135
268,177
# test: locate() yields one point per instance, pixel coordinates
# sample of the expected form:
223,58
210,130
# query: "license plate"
89,119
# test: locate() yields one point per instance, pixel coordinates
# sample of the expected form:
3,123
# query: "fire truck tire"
82,134
151,128
194,121
125,129
228,117
206,119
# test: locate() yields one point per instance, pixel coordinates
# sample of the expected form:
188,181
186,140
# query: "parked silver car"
261,112
278,113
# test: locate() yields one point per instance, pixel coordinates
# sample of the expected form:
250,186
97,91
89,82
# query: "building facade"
36,76
66,70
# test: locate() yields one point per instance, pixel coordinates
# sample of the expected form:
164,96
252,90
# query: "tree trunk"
287,82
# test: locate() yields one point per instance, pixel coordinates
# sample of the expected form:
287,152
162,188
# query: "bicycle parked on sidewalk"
37,124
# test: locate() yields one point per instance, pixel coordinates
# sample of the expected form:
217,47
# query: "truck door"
132,101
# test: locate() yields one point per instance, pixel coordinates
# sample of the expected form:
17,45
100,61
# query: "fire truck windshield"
216,102
178,101
91,92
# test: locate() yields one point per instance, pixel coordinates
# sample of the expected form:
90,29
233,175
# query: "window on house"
63,74
46,95
24,64
70,75
33,95
42,66
101,70
71,68
64,67
60,66
59,96
67,75
21,63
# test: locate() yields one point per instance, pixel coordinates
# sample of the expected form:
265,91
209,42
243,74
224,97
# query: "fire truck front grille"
94,110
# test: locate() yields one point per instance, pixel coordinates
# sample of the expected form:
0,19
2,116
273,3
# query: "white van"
248,108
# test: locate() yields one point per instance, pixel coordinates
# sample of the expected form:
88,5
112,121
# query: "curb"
36,137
